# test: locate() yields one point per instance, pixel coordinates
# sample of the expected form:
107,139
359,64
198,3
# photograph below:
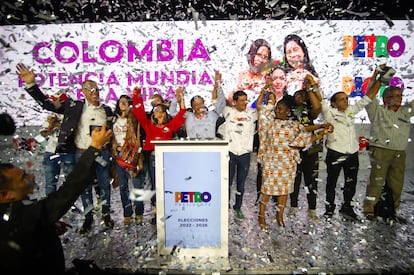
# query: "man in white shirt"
342,145
238,129
79,117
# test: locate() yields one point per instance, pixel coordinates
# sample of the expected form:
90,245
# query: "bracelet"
313,89
30,85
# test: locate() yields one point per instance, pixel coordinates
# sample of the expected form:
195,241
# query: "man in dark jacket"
74,137
29,240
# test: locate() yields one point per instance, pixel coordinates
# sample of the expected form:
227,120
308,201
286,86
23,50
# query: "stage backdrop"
159,56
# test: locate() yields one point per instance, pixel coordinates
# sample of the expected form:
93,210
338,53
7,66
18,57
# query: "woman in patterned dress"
281,138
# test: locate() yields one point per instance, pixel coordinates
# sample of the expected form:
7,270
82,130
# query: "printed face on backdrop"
261,57
348,84
294,54
258,57
278,81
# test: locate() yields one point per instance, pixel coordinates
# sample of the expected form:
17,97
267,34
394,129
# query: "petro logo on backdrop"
192,197
370,46
373,46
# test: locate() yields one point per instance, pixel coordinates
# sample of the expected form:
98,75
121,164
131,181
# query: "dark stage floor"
304,246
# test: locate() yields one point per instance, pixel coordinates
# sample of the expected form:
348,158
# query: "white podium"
192,197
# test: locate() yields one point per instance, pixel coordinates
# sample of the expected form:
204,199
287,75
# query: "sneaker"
313,214
139,218
293,211
239,215
348,211
108,222
127,220
86,226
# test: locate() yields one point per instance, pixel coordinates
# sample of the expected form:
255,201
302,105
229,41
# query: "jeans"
336,161
104,183
240,166
138,182
52,167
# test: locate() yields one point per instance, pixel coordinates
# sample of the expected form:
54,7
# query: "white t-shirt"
119,129
239,129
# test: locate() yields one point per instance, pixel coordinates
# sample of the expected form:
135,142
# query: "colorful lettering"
360,85
192,197
373,46
68,52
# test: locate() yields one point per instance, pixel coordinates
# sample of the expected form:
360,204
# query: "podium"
192,197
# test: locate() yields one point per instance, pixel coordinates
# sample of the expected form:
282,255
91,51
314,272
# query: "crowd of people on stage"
272,112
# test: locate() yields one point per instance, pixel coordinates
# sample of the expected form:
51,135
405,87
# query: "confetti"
334,245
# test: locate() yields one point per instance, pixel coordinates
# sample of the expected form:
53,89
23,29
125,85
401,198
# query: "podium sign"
192,197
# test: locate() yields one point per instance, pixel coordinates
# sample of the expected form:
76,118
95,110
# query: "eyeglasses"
262,56
90,89
394,96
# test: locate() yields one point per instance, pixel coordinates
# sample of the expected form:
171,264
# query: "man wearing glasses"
80,117
389,138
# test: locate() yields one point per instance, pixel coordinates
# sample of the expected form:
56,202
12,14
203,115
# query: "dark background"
19,12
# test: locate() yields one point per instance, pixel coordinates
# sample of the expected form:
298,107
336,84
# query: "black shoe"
370,216
154,220
348,211
108,222
328,214
329,210
86,226
399,219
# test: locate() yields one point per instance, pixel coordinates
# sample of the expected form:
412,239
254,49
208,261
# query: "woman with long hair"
159,126
297,63
126,132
